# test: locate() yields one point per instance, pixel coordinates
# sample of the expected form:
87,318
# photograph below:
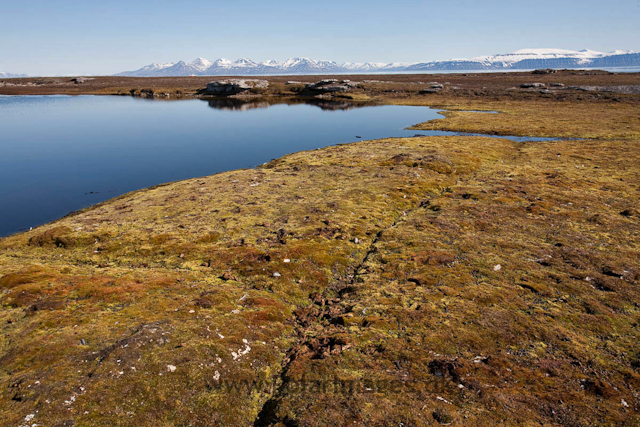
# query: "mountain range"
11,76
519,60
523,59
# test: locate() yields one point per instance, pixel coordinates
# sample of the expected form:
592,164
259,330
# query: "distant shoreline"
372,87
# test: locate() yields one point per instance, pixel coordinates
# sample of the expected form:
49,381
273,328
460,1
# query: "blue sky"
102,37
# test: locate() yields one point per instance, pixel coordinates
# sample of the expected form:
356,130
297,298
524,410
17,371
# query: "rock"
330,86
276,274
291,82
234,86
532,85
80,80
146,93
585,88
437,86
628,89
497,267
557,85
171,368
426,91
544,71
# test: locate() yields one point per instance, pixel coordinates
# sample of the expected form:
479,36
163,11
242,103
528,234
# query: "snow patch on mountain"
584,56
11,76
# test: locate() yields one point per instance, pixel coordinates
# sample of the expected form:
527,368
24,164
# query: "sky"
54,37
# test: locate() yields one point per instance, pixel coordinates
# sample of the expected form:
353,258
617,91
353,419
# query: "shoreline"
422,126
462,84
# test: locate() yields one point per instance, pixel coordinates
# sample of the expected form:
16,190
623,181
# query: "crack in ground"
322,309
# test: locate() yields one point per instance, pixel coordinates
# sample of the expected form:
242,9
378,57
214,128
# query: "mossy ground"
540,117
491,283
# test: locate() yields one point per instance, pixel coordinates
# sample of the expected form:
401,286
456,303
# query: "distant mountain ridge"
523,59
11,76
519,60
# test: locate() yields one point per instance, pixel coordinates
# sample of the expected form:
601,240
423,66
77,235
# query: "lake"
61,153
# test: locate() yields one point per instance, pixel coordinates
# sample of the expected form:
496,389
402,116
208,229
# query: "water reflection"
235,104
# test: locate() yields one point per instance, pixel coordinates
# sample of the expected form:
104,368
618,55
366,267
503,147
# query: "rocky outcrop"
544,71
331,86
434,87
532,85
80,80
234,86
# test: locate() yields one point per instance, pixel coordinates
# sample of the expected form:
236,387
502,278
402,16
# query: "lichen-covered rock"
234,86
331,86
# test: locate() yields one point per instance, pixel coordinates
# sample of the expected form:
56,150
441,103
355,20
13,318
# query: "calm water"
60,153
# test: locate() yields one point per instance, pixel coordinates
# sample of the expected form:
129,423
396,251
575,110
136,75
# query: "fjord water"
60,153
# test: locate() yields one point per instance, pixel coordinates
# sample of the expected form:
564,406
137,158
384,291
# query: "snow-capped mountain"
519,60
583,56
309,66
11,76
524,59
364,66
202,64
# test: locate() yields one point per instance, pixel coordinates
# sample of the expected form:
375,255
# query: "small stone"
287,260
276,274
497,267
171,368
